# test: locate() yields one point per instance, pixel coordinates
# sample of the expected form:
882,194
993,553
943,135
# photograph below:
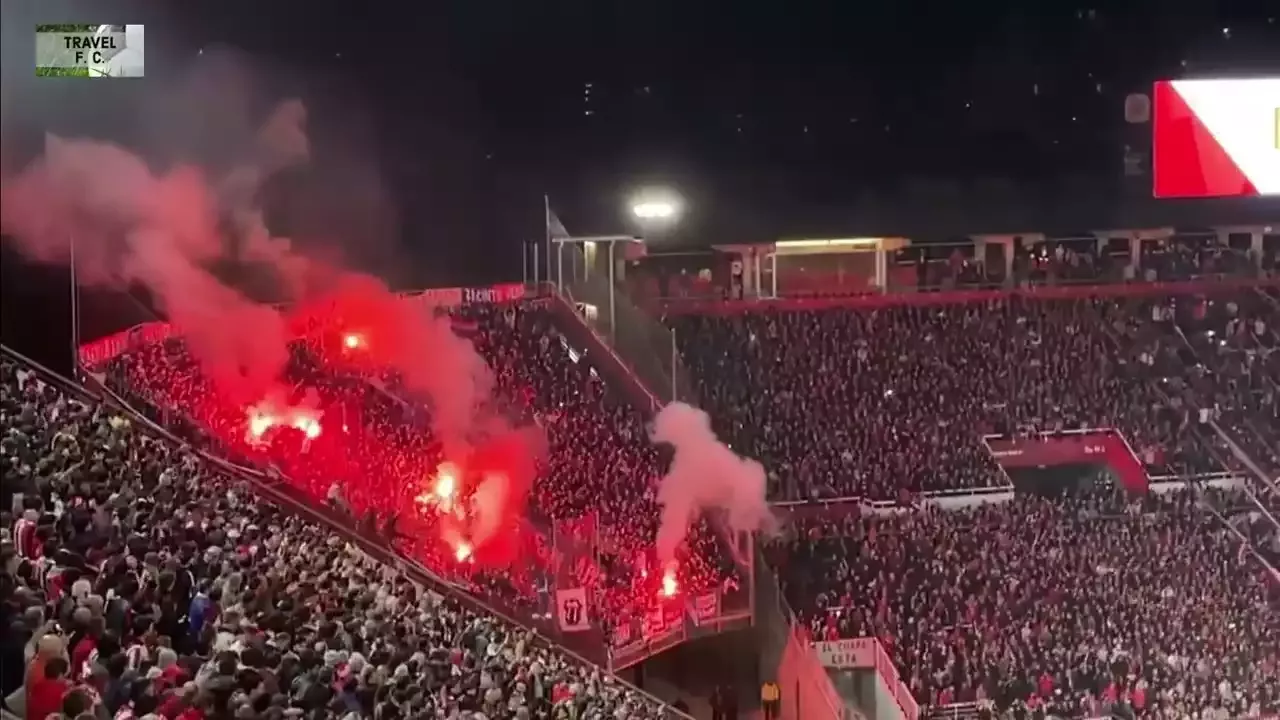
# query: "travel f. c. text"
90,47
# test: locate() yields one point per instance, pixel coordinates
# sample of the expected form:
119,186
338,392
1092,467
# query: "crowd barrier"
867,653
807,692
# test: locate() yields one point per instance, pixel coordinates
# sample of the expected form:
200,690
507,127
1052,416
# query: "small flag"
555,228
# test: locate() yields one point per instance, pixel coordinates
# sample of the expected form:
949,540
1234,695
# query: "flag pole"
546,223
75,309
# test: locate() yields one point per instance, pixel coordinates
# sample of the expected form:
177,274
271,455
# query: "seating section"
599,458
1072,606
868,402
1231,365
171,588
1065,606
139,579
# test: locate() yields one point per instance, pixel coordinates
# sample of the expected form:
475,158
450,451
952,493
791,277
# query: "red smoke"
166,231
481,499
407,336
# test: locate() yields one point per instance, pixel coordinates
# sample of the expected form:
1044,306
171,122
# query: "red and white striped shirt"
136,655
24,538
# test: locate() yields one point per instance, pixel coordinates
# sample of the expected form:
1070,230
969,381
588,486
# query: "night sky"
438,126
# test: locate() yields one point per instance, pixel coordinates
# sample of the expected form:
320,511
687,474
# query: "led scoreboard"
1216,138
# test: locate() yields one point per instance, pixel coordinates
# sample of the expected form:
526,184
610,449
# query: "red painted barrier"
94,353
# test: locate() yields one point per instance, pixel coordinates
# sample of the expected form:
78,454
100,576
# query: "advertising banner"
507,292
1049,450
1099,447
848,654
866,653
441,297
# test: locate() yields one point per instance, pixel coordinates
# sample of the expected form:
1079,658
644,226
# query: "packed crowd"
1073,606
1067,606
844,402
377,453
1221,352
139,582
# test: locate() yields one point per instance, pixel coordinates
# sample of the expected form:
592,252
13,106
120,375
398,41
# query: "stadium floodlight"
654,210
656,207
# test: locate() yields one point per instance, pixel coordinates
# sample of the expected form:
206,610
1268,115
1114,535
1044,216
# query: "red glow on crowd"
460,506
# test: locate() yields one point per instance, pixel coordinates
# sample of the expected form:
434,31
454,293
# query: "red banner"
440,297
1100,447
1049,450
95,353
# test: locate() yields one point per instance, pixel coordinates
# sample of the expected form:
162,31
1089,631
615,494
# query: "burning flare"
669,584
262,417
463,551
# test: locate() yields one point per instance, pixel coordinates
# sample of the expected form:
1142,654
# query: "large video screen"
1216,138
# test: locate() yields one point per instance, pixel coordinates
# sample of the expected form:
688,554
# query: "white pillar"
560,265
613,314
756,271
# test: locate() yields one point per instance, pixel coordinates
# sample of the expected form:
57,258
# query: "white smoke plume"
705,474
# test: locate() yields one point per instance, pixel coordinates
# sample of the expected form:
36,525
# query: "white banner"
706,607
571,610
847,654
622,633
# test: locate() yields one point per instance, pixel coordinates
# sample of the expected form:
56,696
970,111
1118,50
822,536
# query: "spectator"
599,461
291,620
1048,602
854,402
44,698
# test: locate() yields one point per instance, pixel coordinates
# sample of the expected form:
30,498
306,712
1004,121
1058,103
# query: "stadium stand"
874,397
600,461
141,580
1063,606
995,603
1000,602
